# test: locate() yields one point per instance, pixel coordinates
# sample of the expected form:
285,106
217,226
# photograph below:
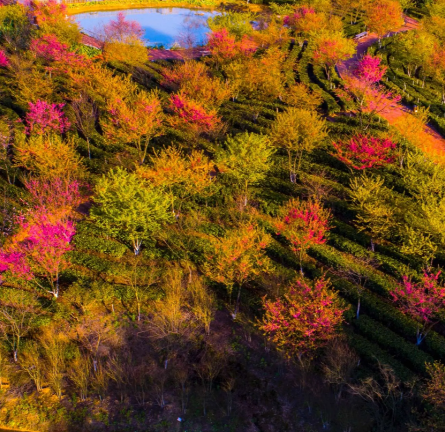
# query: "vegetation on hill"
237,242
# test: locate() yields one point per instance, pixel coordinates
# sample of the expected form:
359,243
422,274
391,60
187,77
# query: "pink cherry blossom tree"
49,48
370,69
38,251
122,30
44,118
424,301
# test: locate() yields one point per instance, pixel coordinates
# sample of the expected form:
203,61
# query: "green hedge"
408,353
379,309
330,103
372,354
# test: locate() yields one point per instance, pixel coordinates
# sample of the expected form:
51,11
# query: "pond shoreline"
78,8
85,7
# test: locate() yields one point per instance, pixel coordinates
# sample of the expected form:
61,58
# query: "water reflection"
162,26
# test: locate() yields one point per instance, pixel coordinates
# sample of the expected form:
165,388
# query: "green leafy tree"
129,207
247,159
374,205
15,27
413,49
424,231
297,131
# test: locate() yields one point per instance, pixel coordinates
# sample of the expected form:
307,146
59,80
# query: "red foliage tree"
304,319
223,46
193,115
361,151
49,48
304,224
423,301
44,118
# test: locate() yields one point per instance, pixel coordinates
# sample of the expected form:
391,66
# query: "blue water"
162,26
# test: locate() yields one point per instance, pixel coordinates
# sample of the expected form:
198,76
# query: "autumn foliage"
304,224
362,151
304,319
424,300
192,116
44,118
223,46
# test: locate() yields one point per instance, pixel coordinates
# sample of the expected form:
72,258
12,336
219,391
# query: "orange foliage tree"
135,120
382,16
194,80
192,117
330,48
237,258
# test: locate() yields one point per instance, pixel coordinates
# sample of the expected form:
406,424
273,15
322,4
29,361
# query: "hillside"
242,236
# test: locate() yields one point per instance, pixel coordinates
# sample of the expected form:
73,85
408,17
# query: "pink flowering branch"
122,30
44,118
4,61
370,70
423,301
58,196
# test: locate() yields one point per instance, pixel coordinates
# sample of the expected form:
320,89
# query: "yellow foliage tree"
49,157
181,174
194,80
238,258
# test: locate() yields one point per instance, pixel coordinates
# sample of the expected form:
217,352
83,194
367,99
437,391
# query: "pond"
163,26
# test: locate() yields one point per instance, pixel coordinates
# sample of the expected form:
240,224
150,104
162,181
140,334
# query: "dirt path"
432,139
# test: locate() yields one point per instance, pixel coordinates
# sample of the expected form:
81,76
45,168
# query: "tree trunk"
372,245
358,308
237,303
